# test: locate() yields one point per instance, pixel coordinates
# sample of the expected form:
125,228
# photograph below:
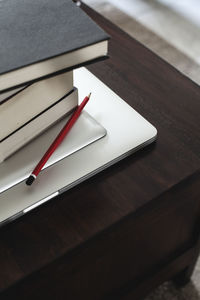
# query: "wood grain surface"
134,225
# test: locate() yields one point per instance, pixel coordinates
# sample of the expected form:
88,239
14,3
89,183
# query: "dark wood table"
135,225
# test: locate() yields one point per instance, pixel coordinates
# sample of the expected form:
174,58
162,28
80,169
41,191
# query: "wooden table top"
165,97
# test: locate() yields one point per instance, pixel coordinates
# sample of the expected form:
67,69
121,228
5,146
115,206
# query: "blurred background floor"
170,28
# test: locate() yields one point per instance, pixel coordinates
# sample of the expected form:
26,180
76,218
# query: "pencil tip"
30,180
89,95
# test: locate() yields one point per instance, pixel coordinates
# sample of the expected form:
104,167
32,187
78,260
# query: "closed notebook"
41,38
31,101
36,126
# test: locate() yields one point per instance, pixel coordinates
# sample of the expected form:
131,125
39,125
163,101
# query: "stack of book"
42,41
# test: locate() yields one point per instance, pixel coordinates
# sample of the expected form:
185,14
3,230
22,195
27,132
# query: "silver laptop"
107,131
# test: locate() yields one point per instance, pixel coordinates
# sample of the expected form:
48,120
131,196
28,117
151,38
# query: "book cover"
37,31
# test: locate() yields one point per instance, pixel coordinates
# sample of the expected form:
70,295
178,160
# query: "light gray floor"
170,28
178,22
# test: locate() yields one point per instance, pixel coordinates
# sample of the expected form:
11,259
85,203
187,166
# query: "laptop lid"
127,131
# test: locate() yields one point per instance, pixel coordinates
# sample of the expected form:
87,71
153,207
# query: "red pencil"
57,140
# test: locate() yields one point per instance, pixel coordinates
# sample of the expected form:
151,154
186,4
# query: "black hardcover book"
41,38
